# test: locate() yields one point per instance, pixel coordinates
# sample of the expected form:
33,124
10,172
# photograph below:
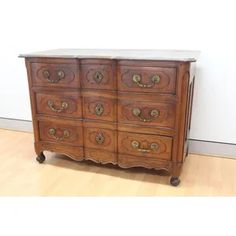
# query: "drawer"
98,76
55,75
145,145
64,104
99,138
61,132
99,108
147,79
146,113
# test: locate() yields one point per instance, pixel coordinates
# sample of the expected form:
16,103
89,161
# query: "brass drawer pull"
64,106
60,75
99,109
136,145
98,76
65,134
138,113
155,79
100,138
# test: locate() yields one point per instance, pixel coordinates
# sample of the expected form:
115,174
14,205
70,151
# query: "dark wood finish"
99,121
40,158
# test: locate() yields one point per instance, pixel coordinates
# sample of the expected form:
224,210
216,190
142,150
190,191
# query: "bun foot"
174,181
40,158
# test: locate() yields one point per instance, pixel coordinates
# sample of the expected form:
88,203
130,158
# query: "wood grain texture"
74,136
98,138
162,150
103,99
69,77
99,107
72,99
100,156
165,118
98,76
166,84
20,175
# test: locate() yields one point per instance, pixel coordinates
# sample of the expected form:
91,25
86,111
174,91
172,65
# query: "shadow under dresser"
131,108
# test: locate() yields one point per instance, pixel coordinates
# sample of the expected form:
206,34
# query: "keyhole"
98,77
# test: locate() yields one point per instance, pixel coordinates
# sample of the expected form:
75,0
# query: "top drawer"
55,75
98,74
147,79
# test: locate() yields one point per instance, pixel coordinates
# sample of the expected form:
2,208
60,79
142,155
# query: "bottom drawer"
100,144
61,131
145,145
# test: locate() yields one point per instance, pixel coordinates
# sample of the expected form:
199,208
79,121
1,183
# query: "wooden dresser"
131,108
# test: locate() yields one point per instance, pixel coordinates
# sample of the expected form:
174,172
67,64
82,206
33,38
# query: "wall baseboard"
200,147
15,124
212,148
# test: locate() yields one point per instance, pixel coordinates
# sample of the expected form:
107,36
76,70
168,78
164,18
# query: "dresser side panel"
183,79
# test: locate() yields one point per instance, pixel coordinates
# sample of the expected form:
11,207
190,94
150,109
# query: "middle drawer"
149,112
99,106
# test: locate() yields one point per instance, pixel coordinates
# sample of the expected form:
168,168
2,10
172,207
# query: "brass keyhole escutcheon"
99,109
100,138
98,76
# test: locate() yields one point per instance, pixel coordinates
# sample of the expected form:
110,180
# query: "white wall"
208,26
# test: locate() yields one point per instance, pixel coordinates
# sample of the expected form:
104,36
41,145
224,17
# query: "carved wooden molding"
126,78
105,75
69,75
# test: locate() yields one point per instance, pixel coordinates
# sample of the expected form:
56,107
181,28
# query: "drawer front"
147,79
67,104
146,113
55,75
99,108
98,77
144,145
61,132
98,138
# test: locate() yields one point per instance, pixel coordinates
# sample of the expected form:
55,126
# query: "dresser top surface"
125,54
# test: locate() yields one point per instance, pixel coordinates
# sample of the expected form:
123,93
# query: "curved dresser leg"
174,181
40,158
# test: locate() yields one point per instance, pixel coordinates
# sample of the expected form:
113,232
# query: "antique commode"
131,108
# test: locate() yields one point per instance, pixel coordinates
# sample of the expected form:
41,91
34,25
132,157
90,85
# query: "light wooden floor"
21,175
